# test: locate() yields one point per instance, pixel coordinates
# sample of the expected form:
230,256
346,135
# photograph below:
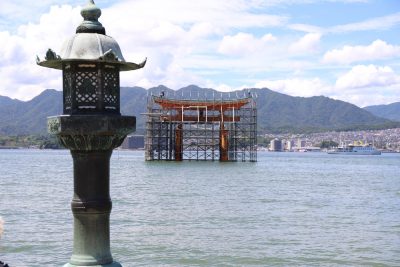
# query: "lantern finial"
90,24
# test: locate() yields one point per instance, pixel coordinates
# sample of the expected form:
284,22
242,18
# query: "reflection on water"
307,209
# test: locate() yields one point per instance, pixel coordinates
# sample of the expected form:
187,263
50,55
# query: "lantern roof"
89,44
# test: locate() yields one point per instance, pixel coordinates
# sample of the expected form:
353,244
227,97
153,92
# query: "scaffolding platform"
203,129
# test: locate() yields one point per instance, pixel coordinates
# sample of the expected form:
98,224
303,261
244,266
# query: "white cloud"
166,32
268,38
309,43
371,24
297,86
243,43
237,44
368,85
305,28
203,29
377,50
20,77
378,23
182,39
226,14
362,76
361,85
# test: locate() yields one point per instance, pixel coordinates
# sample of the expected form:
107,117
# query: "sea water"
287,209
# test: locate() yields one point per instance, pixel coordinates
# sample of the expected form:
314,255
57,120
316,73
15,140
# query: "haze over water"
299,209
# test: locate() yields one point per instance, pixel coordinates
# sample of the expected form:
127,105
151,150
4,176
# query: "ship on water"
356,149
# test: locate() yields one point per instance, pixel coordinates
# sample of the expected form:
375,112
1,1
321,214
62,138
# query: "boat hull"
355,153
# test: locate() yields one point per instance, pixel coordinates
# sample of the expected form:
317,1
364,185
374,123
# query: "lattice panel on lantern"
85,85
67,86
111,83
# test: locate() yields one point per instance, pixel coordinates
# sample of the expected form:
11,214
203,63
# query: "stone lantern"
91,127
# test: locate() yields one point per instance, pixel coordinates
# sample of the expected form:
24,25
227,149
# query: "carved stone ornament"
109,56
51,55
95,132
91,142
53,126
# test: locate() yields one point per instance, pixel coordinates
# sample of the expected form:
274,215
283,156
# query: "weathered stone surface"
91,124
89,44
91,47
91,132
91,139
91,206
91,128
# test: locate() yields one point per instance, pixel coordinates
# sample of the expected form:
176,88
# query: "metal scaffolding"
203,129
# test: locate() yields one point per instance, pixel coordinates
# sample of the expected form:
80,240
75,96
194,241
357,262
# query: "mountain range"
276,112
391,111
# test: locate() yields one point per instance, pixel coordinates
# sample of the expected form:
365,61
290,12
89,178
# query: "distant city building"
301,143
387,140
289,145
276,145
133,142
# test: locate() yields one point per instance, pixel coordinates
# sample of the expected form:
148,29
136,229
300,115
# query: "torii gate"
203,108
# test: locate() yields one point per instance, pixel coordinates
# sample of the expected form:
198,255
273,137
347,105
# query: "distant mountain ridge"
391,111
311,113
276,112
23,118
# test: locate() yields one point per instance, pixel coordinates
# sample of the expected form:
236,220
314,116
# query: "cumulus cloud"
243,43
368,85
19,75
297,86
309,43
362,76
166,32
377,50
362,85
226,14
184,41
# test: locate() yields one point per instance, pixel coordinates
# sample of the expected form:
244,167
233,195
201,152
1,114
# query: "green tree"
328,144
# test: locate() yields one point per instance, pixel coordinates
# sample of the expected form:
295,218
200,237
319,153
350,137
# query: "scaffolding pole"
203,129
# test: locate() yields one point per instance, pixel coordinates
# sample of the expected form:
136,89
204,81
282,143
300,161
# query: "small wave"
1,226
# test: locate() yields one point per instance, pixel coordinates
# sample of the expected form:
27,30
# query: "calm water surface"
288,209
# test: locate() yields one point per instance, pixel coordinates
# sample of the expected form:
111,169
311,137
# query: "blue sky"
343,49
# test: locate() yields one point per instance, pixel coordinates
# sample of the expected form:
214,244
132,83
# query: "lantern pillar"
91,140
91,127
